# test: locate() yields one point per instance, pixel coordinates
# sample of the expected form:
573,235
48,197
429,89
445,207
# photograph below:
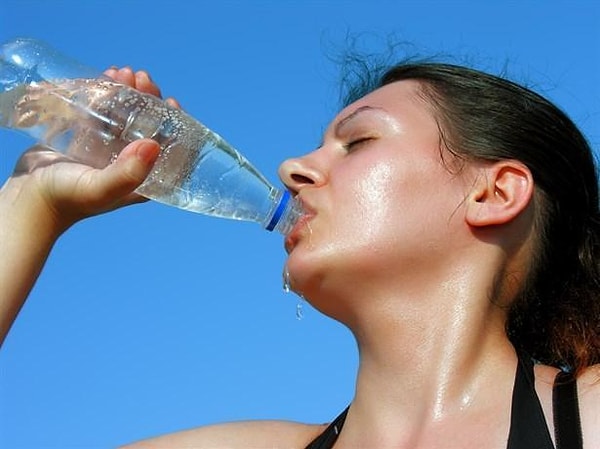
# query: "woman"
451,223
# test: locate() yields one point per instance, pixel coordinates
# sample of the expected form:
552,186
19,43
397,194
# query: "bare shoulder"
588,386
243,434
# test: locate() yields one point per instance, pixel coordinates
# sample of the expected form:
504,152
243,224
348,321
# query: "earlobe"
501,192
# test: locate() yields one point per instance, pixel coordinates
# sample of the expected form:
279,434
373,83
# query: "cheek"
393,203
349,232
374,196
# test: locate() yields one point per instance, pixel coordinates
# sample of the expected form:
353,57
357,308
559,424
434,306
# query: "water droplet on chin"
287,289
286,280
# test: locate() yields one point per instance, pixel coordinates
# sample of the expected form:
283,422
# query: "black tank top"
528,428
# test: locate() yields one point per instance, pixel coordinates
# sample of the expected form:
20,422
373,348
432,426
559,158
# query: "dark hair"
556,318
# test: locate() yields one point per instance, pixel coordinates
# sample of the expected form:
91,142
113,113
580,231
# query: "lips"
294,236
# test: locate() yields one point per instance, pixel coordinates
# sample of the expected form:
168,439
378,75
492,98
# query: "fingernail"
144,74
111,71
147,152
172,102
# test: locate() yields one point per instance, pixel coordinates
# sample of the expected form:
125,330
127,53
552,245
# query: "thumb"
131,167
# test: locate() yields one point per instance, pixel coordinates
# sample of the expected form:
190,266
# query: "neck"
428,358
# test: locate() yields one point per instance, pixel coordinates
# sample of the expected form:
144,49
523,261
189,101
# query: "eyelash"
350,146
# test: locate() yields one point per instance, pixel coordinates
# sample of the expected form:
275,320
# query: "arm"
44,198
249,434
24,250
48,193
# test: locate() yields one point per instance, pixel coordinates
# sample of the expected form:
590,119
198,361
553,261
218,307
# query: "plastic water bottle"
77,111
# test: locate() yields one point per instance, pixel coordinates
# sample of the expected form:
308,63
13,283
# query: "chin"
304,272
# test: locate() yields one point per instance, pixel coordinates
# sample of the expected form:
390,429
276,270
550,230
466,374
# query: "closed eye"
355,144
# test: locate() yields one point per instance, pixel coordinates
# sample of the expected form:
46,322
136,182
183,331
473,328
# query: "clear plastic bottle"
77,111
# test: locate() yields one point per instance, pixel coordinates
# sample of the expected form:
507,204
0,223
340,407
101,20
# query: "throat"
433,374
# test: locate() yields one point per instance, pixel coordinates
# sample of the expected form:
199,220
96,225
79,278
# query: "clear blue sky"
151,319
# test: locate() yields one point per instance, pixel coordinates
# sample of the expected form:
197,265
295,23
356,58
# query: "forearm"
50,193
27,234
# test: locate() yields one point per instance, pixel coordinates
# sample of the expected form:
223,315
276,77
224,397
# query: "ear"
501,192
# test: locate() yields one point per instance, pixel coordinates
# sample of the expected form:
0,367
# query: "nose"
297,173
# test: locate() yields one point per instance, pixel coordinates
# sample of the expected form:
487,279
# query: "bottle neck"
285,215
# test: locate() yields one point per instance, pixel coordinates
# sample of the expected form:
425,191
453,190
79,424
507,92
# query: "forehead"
401,99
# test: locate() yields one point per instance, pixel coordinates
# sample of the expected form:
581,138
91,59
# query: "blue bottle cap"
279,211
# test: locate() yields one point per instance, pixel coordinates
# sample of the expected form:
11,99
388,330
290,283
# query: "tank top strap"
565,408
528,428
330,435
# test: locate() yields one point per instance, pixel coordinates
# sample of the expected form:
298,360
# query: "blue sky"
151,319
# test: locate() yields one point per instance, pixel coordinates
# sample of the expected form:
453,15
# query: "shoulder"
588,389
243,434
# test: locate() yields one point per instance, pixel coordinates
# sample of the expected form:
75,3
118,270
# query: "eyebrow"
339,125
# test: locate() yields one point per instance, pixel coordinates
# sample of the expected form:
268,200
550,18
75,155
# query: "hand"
69,191
140,80
72,191
48,192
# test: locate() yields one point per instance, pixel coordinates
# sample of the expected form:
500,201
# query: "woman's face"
380,202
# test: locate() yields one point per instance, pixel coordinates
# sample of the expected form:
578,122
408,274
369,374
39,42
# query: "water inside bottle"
218,181
66,115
